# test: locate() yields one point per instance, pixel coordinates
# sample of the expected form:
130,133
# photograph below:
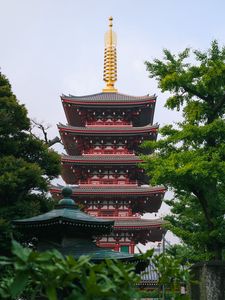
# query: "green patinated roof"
67,214
68,217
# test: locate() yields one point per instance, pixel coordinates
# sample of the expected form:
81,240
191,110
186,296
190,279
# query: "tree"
189,159
26,165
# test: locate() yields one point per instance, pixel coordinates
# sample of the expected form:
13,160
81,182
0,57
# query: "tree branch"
44,129
190,89
54,141
219,105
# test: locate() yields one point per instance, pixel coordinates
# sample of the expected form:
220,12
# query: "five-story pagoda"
102,142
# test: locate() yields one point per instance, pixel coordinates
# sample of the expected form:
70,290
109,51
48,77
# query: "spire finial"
110,21
110,62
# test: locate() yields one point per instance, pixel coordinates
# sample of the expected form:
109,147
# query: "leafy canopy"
190,156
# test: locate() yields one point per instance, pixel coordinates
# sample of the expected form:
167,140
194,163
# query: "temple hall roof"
66,213
149,277
67,216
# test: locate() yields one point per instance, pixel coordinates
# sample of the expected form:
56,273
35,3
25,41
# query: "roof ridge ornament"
67,201
110,60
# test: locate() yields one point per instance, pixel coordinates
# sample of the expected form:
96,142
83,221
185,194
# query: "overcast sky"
50,47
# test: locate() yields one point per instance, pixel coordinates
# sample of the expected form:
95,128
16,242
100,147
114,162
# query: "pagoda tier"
105,140
103,130
128,232
115,201
103,170
109,109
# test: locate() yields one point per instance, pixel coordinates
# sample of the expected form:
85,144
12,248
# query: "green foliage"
190,157
11,113
187,255
172,274
26,165
50,274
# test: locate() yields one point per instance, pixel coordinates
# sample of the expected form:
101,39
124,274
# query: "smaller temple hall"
71,231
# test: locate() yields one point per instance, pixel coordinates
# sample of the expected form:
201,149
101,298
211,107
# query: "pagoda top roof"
101,158
112,98
112,190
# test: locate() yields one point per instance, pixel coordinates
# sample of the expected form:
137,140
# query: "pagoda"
102,140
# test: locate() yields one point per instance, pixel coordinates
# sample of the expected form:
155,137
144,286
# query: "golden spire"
110,62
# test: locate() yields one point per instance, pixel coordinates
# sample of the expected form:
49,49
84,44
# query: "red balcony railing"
105,151
117,182
109,122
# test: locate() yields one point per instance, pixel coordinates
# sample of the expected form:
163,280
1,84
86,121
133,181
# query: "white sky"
50,47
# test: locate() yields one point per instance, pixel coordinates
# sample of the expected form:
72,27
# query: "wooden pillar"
116,211
132,245
117,247
130,212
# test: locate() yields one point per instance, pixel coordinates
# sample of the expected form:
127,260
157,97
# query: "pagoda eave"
107,104
101,159
63,129
136,228
137,191
136,223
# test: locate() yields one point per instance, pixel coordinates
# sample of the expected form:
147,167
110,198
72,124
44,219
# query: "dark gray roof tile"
111,97
107,129
149,274
107,158
103,190
138,222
